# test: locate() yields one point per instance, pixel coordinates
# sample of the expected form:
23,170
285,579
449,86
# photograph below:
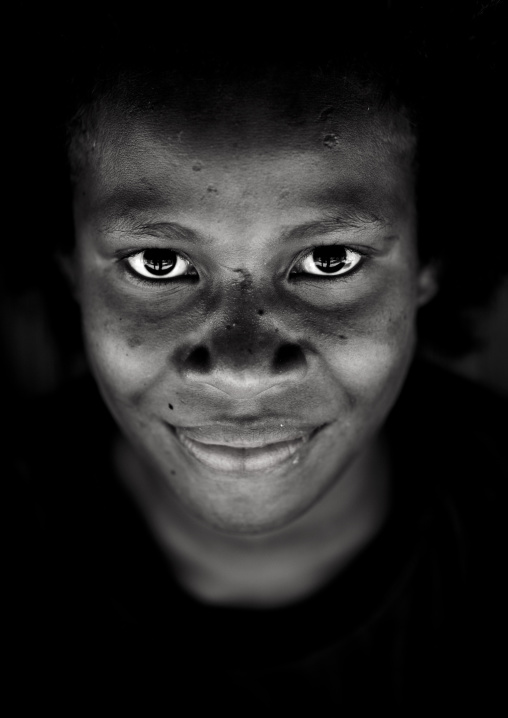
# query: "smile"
240,454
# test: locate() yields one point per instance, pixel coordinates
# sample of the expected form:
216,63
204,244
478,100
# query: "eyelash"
303,276
139,279
309,276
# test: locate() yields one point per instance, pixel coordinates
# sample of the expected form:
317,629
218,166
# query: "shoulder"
58,459
450,435
455,432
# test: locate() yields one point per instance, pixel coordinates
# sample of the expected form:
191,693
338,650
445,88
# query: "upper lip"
247,436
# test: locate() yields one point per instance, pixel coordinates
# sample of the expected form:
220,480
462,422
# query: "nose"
242,361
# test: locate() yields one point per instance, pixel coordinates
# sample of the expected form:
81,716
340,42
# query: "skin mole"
135,341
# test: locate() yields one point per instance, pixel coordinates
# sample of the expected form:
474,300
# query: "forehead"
361,159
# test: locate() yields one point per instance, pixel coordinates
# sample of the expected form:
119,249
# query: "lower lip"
238,460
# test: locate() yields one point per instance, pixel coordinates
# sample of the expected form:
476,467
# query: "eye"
329,260
159,264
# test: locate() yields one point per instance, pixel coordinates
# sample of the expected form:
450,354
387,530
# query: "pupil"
329,259
159,261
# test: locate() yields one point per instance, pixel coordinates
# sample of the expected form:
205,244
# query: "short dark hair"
434,62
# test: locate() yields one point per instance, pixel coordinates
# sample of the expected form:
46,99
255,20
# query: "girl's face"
248,295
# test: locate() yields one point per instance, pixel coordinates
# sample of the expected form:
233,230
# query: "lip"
244,451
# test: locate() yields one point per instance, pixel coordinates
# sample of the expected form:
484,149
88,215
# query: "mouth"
245,452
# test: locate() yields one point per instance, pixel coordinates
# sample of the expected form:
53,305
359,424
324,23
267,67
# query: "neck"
275,569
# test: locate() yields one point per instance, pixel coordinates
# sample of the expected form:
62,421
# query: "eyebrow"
344,221
126,203
300,232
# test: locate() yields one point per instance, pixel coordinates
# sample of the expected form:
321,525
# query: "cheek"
381,316
367,344
127,343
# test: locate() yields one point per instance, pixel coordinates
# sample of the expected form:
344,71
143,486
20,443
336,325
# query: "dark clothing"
412,626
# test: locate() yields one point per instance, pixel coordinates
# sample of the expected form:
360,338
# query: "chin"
250,521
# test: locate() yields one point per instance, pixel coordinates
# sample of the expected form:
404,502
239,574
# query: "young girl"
258,500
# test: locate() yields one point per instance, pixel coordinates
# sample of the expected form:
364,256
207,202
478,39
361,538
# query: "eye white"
329,261
158,264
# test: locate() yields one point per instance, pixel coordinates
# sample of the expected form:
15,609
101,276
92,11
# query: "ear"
67,264
428,282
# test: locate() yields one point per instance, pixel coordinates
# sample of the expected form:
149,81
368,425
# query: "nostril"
288,357
199,360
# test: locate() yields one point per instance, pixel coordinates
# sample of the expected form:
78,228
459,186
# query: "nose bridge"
244,350
241,334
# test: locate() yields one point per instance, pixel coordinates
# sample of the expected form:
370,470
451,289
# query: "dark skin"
244,330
